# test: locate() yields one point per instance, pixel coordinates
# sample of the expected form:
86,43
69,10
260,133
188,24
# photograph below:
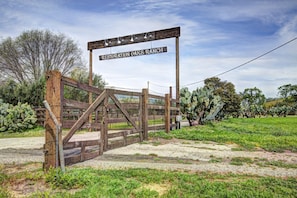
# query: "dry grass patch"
161,189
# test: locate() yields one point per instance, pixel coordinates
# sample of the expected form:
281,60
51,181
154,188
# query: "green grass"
36,132
263,162
241,160
90,182
272,134
215,159
155,183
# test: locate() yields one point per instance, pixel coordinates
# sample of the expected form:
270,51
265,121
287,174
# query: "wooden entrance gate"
118,117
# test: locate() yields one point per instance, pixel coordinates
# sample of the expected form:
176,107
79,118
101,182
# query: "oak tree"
27,57
252,102
226,90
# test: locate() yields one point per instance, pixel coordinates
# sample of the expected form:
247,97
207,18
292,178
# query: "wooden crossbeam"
84,117
135,38
123,110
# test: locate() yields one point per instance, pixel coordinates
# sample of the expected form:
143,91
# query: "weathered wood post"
177,122
104,126
91,84
167,113
144,113
53,97
171,104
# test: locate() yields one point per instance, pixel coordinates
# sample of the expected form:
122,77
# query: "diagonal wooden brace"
85,116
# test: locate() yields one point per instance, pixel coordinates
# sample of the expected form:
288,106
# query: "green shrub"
16,118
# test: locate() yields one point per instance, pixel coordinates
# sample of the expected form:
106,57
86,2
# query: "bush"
31,93
16,118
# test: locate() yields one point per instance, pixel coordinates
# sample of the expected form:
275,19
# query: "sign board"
178,118
141,52
135,38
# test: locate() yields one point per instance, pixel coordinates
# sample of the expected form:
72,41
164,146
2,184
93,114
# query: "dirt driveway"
165,154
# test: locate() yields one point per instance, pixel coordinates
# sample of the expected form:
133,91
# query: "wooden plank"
71,145
155,117
77,144
85,116
125,93
121,133
82,151
129,105
167,113
104,129
90,84
132,140
174,109
144,113
122,142
75,104
115,144
67,124
125,138
72,159
157,107
119,120
73,83
115,135
141,37
156,127
91,155
177,95
151,96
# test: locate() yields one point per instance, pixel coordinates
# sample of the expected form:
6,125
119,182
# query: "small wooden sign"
141,52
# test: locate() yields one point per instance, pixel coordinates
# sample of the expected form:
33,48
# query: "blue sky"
216,36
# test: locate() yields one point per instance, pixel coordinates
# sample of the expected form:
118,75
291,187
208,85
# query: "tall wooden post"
167,113
53,97
90,83
171,104
177,122
177,70
104,126
144,113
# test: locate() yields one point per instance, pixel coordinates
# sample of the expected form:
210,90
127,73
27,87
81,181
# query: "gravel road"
159,154
21,150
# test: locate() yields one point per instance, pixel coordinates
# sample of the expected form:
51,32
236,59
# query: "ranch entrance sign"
156,50
133,39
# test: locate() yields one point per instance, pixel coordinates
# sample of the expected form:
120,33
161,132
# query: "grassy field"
272,133
141,183
36,132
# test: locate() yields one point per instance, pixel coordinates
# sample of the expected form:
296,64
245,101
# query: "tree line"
218,99
27,57
24,60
